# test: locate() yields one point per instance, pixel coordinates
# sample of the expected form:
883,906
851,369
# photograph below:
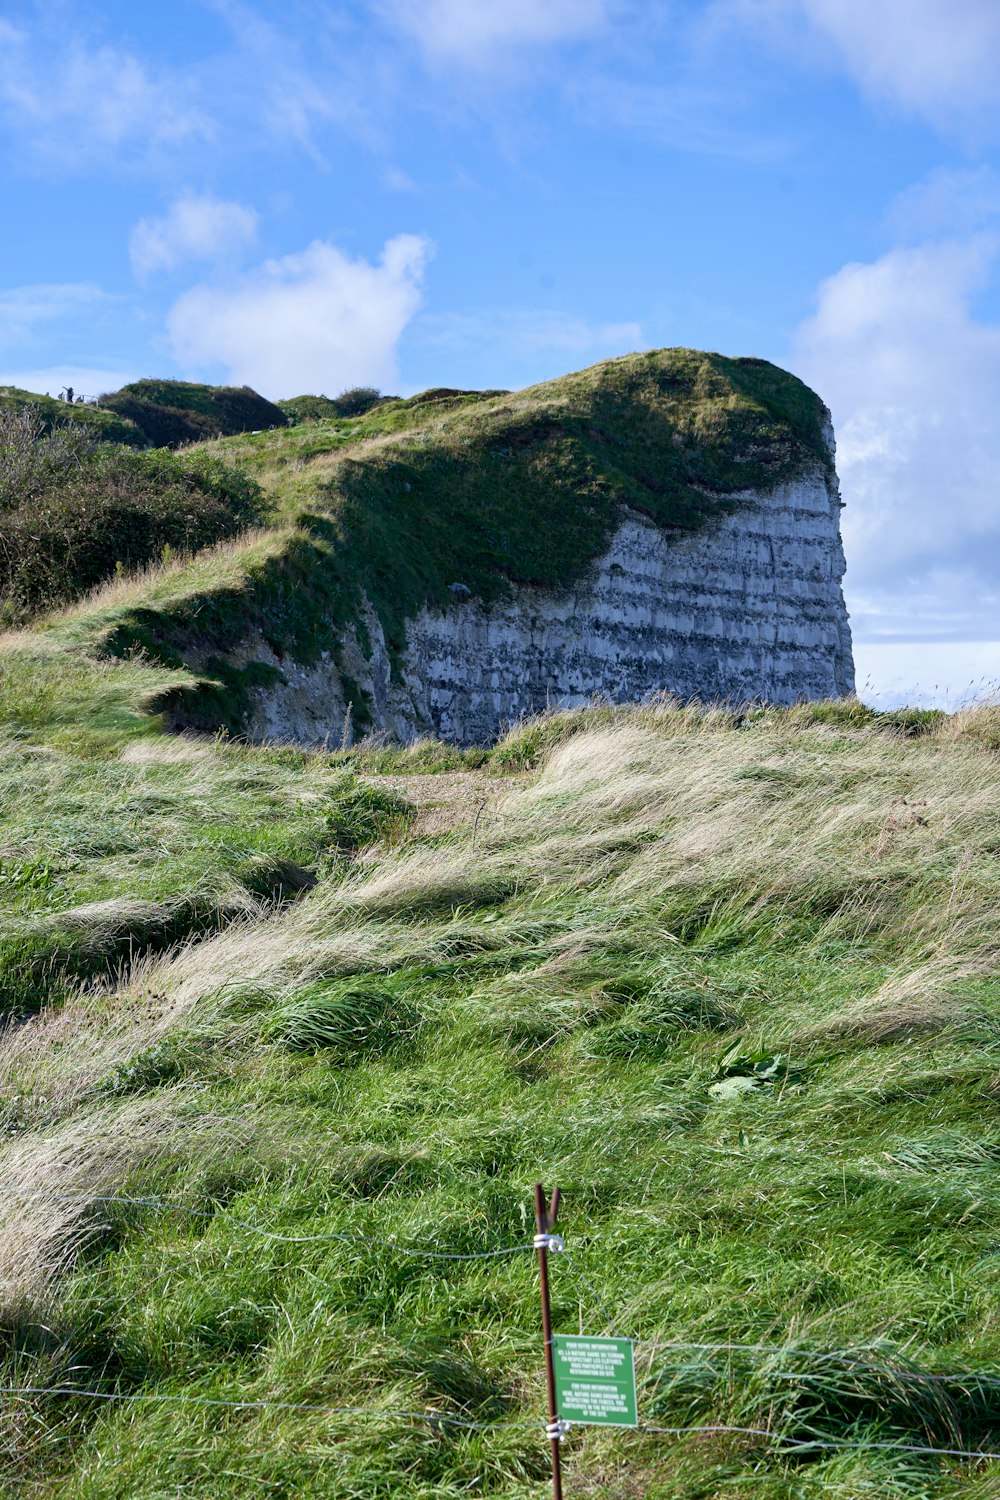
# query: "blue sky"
306,195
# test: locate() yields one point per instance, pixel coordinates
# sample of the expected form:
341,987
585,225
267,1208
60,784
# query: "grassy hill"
278,1018
483,489
155,413
103,426
171,413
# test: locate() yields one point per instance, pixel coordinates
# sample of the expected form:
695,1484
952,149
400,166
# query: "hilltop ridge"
420,503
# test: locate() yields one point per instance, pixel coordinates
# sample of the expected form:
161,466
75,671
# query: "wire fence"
447,1419
787,1443
273,1236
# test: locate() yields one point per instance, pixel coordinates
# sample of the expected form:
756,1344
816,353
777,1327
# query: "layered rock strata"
746,608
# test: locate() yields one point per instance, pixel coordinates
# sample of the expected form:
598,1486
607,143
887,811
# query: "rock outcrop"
747,607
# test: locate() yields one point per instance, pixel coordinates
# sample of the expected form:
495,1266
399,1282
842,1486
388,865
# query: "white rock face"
747,608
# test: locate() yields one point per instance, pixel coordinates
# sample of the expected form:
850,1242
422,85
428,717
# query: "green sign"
595,1380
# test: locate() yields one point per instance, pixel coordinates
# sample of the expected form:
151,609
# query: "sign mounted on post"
595,1380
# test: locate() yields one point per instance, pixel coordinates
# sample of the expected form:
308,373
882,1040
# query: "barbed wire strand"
441,1418
785,1350
345,1236
375,1413
830,1357
565,1258
805,1444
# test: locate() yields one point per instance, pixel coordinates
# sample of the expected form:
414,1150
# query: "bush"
162,426
360,814
171,413
350,403
357,400
72,510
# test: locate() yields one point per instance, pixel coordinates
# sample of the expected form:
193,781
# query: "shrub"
71,510
360,814
171,413
350,403
357,400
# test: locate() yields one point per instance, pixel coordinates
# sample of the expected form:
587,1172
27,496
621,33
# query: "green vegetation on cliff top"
103,426
478,489
171,413
73,510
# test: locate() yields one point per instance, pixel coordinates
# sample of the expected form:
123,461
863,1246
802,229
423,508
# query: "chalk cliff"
748,607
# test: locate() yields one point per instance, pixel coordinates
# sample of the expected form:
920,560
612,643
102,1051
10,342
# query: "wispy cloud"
25,309
684,115
938,59
947,201
480,34
296,82
70,103
315,321
195,227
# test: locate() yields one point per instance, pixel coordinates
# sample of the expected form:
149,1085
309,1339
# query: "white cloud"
314,321
473,31
196,227
947,201
24,308
936,58
913,380
71,103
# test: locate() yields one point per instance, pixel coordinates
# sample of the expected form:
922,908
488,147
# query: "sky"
305,195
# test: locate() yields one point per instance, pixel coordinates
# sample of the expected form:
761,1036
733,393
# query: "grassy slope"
156,412
482,490
116,840
105,426
177,412
405,1047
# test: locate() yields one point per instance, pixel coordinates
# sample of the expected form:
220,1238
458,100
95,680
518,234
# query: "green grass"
105,426
802,900
172,413
118,841
483,490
